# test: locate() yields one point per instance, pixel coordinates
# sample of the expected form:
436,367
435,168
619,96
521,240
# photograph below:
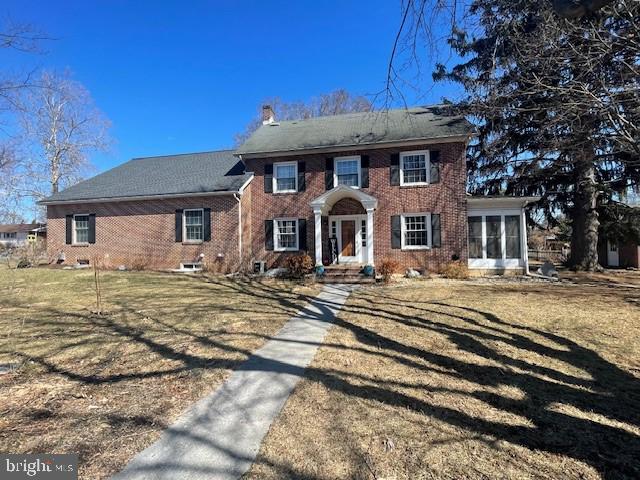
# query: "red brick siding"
347,206
446,197
142,233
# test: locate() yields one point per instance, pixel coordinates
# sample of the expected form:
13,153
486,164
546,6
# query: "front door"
348,237
350,234
613,259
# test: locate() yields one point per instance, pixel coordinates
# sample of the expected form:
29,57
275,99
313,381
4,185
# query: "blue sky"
186,76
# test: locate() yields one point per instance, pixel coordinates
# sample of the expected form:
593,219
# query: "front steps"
344,274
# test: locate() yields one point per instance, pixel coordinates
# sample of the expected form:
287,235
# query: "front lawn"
469,380
105,386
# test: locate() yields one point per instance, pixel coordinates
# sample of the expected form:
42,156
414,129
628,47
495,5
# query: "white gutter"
352,147
141,197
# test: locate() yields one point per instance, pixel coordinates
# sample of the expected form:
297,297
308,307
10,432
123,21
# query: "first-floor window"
494,238
193,225
475,237
416,231
512,235
81,228
286,234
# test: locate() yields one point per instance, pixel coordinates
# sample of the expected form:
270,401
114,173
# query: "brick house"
353,188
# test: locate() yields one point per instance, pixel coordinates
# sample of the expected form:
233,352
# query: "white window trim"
337,160
427,166
275,176
73,230
403,230
502,262
184,225
276,246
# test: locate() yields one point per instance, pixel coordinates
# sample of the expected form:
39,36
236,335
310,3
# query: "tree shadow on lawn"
609,392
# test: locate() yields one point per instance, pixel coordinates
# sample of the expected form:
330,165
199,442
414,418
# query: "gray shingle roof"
173,174
354,129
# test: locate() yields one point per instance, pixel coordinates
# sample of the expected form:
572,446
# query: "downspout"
525,242
238,197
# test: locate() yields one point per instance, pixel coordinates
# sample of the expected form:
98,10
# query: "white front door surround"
323,204
336,223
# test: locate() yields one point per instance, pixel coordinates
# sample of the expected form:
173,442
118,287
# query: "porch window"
512,235
285,177
194,225
475,237
81,229
494,239
347,171
414,168
415,234
286,234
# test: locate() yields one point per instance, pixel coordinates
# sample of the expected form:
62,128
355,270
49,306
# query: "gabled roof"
191,173
355,129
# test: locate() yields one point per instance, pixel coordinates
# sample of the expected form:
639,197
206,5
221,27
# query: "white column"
370,236
318,235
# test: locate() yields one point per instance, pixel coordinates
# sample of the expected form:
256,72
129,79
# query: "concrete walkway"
219,436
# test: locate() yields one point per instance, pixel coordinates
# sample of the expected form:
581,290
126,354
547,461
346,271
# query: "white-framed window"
495,237
81,229
285,177
346,171
193,225
416,231
285,233
414,168
363,232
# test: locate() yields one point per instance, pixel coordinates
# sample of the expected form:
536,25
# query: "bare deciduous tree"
332,103
61,126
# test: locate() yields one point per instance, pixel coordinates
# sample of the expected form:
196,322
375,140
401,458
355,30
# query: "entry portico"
353,247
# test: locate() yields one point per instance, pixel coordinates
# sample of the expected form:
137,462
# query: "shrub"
388,268
456,270
299,265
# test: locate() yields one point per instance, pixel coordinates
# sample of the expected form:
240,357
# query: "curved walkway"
219,436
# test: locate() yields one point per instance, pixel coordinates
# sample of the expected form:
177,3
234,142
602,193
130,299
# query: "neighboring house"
367,186
615,254
18,234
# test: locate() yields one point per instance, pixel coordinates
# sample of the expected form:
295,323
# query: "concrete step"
350,280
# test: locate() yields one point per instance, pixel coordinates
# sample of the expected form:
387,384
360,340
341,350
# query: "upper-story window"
414,168
347,171
285,177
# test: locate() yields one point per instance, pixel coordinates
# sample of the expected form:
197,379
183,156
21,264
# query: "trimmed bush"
388,268
456,270
299,265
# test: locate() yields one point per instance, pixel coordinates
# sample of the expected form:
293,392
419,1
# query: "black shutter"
69,229
268,234
434,169
364,171
268,178
178,225
396,232
92,228
394,169
328,174
436,240
302,184
302,234
207,224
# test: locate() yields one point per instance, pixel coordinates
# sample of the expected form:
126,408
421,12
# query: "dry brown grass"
105,386
468,380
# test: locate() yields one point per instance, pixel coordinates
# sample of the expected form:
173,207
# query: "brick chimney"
267,115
